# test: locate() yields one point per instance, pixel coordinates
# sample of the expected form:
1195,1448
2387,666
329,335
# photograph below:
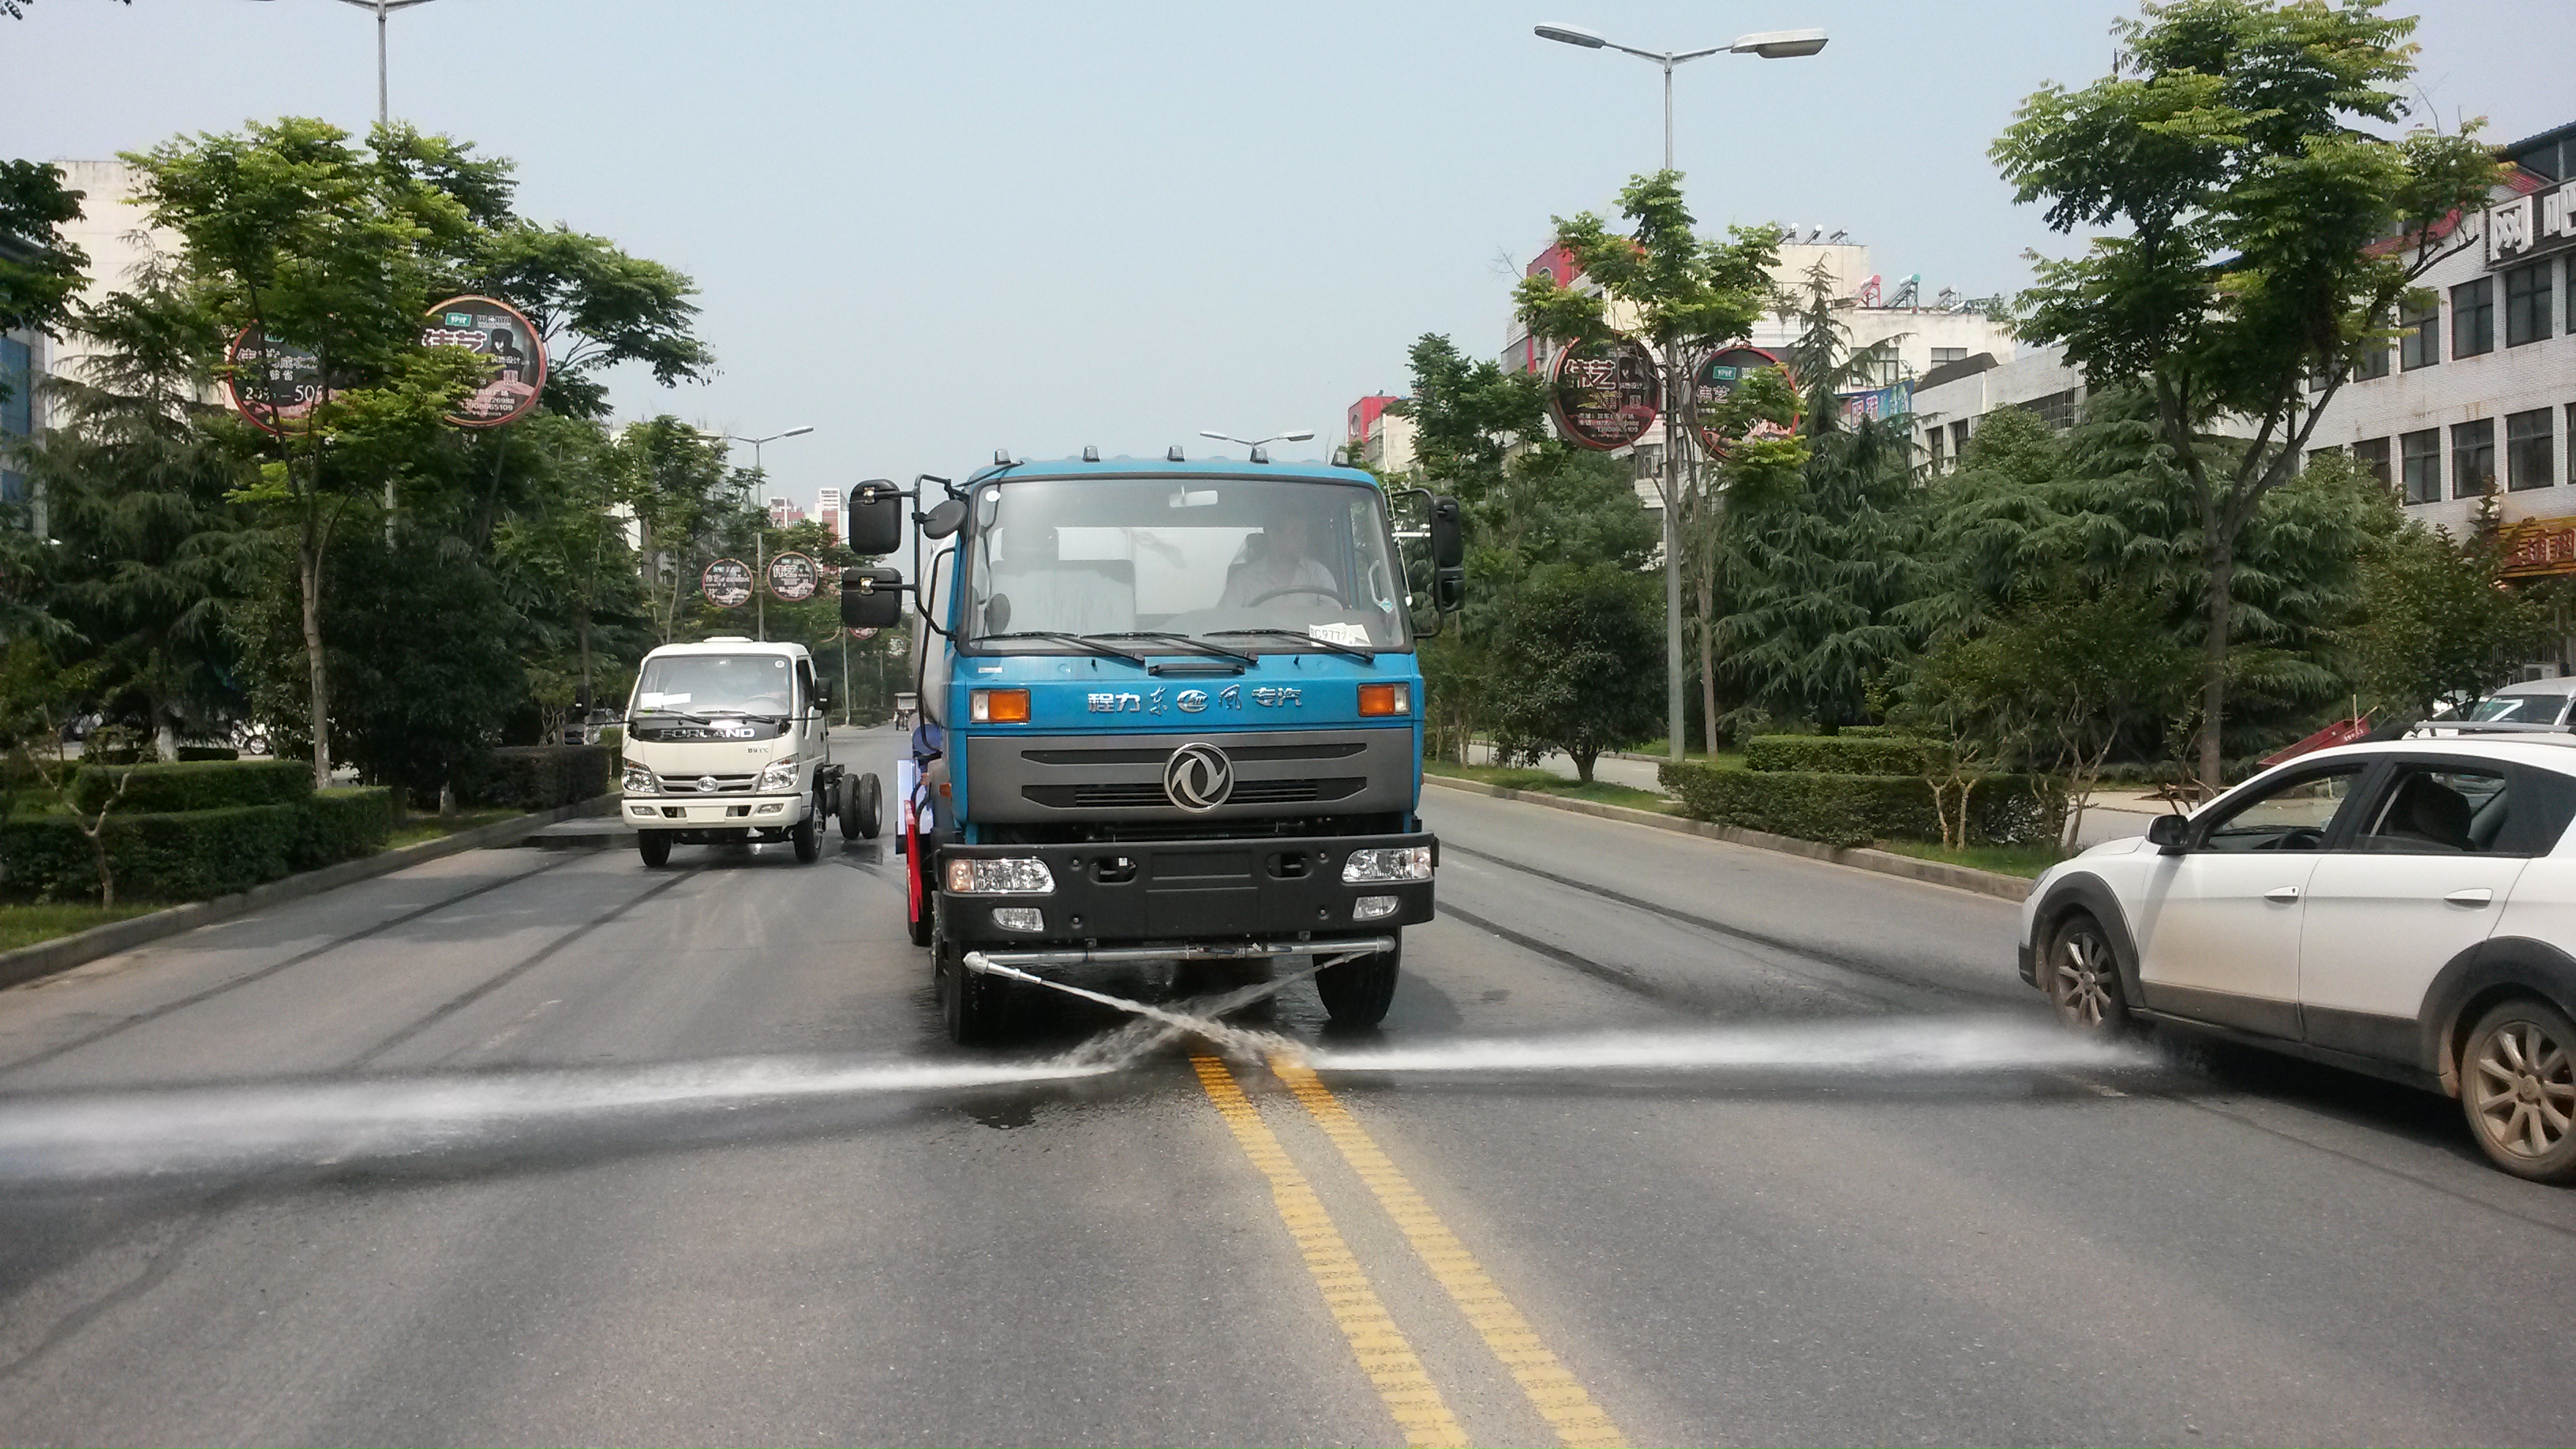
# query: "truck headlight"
640,781
1012,875
1403,862
780,776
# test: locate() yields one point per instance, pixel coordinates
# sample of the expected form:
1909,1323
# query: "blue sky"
932,230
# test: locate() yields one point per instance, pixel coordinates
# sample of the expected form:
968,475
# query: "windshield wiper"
1058,636
1354,651
675,714
1196,645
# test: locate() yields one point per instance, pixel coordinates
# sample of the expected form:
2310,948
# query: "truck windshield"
704,684
1261,564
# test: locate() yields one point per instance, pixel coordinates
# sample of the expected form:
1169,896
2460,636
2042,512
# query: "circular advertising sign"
863,633
514,358
1604,393
274,384
726,583
1713,385
794,577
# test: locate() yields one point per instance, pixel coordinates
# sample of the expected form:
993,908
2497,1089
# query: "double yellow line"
1384,1354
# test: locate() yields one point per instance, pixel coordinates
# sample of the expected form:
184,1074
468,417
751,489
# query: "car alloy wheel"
2083,978
2518,1088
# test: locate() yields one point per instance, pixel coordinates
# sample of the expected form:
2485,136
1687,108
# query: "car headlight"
1403,862
780,776
640,781
1012,875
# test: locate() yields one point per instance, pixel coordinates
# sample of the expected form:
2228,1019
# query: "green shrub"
1868,732
190,855
207,752
1848,810
342,825
538,777
194,785
1842,754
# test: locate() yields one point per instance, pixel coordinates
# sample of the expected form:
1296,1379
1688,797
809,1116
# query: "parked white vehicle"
2405,908
725,742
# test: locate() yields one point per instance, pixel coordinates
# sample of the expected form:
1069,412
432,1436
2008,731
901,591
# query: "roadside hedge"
193,854
193,785
538,777
208,752
1848,810
1842,754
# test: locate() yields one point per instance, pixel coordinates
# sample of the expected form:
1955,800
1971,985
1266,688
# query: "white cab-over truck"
726,743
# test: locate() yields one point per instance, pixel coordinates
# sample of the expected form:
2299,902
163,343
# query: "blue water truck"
1170,712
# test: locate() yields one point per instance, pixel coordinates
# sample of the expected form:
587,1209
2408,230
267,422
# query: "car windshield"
703,684
1249,563
2519,708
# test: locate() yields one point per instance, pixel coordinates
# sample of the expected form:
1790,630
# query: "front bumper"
1202,891
713,812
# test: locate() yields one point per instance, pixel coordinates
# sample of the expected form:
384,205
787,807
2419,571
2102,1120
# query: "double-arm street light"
1770,45
772,438
382,8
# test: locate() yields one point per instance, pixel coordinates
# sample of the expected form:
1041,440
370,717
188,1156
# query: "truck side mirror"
1448,589
875,517
871,598
1448,534
944,520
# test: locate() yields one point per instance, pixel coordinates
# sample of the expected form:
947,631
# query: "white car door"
2433,859
2217,926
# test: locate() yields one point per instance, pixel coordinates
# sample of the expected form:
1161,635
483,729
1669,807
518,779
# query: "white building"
827,511
1951,399
2478,395
115,234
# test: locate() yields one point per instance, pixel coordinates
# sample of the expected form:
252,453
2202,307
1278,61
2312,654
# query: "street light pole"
1770,45
760,530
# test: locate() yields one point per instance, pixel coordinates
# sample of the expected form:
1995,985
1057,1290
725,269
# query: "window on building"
2473,317
2372,456
2473,458
1948,354
2370,362
2420,345
2526,304
2057,409
2316,453
1932,440
2526,450
1959,440
2570,290
2420,455
17,410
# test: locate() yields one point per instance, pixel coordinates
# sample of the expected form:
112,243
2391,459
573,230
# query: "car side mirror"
1448,535
875,521
871,598
2169,834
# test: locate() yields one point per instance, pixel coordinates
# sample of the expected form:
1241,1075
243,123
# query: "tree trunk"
98,853
1708,657
581,630
2213,694
1583,761
308,565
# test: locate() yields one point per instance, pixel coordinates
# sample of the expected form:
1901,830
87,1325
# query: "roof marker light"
1172,454
1090,453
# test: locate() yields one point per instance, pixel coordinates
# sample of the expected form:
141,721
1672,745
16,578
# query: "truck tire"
1357,993
654,846
970,1004
862,805
808,837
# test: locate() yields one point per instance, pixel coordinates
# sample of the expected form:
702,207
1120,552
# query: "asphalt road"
1679,1142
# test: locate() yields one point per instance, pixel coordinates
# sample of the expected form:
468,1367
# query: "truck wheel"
1357,993
654,846
862,807
971,1004
808,836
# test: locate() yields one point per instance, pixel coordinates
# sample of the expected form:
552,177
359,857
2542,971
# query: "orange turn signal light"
998,706
1386,699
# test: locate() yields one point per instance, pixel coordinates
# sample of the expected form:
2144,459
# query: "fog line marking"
1381,1348
1550,1387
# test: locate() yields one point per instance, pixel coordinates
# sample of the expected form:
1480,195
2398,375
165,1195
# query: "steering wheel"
2305,837
1331,594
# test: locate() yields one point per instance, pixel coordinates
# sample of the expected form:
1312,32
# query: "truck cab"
1170,711
725,742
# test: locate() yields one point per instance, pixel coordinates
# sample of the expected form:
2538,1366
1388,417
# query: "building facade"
827,511
1378,438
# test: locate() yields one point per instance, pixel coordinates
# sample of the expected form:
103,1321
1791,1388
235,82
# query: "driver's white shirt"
1266,575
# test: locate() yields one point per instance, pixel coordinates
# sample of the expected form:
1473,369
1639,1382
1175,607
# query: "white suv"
2404,908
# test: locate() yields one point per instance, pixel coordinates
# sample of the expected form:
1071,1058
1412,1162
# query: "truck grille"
725,784
1146,794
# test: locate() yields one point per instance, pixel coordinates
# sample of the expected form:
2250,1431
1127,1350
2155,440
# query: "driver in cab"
1280,560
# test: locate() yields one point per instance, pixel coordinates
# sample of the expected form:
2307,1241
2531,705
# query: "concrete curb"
45,958
1885,862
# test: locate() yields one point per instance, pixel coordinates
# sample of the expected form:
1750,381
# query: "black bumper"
1267,888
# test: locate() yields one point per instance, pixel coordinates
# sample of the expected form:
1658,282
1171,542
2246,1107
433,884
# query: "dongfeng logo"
1198,777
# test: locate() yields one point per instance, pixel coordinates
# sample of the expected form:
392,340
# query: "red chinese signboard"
2533,549
514,358
1605,394
793,577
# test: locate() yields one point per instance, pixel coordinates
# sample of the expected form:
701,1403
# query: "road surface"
541,1146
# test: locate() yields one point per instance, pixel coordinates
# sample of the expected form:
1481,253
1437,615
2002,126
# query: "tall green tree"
2440,623
1578,642
2262,235
39,270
